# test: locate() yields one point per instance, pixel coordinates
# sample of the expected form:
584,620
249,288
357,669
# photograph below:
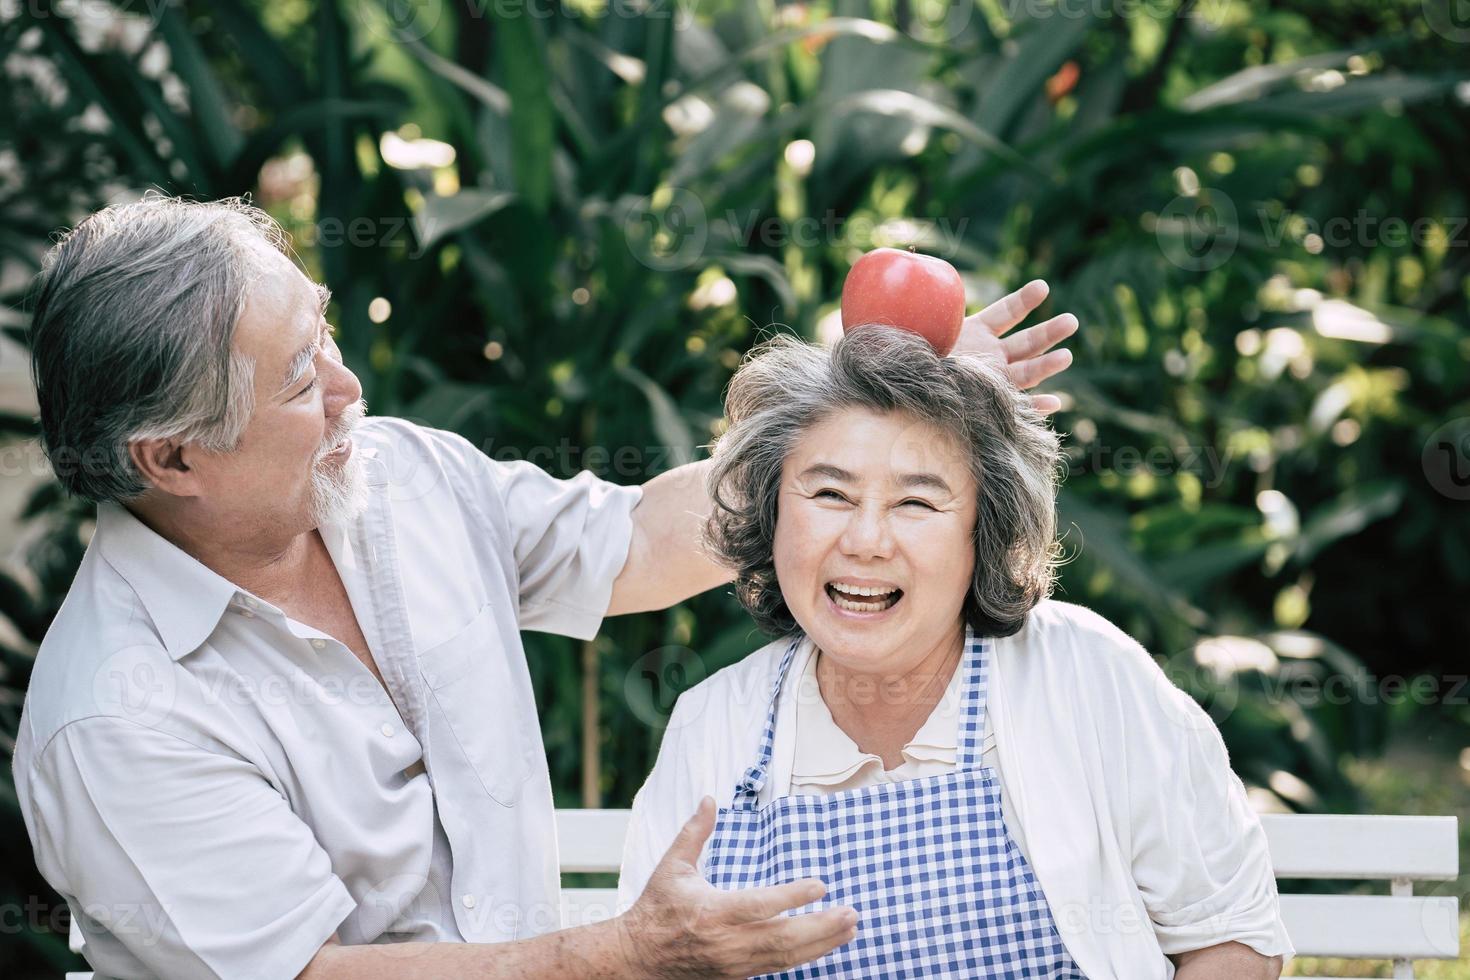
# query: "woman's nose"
867,534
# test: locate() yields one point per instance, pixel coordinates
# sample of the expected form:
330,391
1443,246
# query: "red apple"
907,290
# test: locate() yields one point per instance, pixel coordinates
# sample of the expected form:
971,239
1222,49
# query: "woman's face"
880,503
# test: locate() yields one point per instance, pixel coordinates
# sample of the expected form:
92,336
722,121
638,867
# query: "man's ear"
163,466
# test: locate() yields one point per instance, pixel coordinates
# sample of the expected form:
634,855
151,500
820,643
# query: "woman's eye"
309,387
829,495
918,503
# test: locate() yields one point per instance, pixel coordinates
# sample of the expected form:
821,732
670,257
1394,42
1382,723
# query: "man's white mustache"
348,420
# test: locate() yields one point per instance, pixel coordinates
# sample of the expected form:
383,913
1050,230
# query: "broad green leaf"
1355,509
521,50
211,110
444,216
668,423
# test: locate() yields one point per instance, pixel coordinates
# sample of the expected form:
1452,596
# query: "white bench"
1400,926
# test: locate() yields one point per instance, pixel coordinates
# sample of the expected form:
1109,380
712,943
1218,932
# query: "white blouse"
826,760
1138,831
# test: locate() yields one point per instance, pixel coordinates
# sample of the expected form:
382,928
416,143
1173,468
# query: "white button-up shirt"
215,788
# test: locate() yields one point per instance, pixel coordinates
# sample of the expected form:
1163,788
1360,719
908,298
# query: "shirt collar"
825,754
184,598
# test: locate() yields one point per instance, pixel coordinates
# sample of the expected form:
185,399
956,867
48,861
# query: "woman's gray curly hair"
786,386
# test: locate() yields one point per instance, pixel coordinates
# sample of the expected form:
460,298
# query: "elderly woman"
1000,784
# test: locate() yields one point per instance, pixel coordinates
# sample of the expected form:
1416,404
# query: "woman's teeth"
857,599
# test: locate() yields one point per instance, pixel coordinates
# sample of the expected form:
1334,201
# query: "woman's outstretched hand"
1027,355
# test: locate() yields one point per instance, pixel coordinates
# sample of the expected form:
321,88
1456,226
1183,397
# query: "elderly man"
283,724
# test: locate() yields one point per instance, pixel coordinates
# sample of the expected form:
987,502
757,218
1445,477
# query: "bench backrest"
1401,850
1399,926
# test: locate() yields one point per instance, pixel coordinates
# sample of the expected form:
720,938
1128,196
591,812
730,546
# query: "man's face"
295,467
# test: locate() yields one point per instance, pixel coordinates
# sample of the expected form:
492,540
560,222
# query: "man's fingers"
802,938
756,904
1011,309
1040,338
1046,404
690,842
1030,373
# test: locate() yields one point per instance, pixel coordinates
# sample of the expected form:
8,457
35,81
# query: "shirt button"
469,901
387,729
318,642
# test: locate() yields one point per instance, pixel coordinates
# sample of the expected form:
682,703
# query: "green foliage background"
637,191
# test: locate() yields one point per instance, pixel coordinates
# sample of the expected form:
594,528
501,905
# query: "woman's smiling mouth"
869,600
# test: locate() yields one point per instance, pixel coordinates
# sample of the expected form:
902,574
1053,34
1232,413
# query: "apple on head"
904,289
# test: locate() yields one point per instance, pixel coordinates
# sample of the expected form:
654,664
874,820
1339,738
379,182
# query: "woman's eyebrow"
932,481
829,471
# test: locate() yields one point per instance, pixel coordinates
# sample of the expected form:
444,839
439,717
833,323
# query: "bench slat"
1365,926
591,840
1302,845
1373,926
1312,845
584,906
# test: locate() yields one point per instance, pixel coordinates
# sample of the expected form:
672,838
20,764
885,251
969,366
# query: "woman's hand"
1024,354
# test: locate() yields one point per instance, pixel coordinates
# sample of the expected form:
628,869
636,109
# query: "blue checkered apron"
940,888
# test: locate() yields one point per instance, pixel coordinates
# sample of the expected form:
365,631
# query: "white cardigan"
1137,829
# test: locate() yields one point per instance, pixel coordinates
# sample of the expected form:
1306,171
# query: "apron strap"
973,697
755,777
976,665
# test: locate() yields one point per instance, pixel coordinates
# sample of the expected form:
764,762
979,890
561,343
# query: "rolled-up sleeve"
1199,853
571,541
177,861
570,538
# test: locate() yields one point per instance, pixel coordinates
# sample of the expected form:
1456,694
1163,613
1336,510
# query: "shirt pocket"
480,695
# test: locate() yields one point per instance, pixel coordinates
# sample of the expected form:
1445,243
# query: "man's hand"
1024,354
680,927
684,927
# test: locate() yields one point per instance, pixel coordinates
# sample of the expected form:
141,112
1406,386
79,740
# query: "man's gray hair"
787,386
131,336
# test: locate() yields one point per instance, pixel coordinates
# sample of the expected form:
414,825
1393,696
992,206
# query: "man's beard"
339,491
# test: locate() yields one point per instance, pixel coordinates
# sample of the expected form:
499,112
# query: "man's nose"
342,389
